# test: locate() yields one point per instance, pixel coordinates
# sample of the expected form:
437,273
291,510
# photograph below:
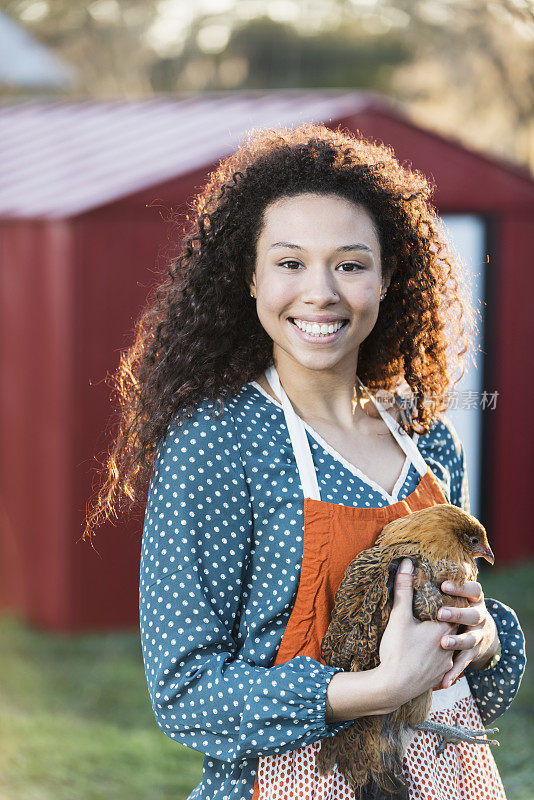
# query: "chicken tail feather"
325,757
368,756
374,791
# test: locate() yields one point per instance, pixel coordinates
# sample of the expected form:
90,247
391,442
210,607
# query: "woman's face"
318,263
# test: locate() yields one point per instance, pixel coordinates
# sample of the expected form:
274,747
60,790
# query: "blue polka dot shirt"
219,572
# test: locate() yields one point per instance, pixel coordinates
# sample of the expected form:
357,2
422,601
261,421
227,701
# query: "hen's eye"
474,540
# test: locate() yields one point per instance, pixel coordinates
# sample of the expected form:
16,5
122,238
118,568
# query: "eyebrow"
344,248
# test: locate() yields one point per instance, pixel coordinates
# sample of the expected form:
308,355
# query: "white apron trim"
444,698
407,444
336,455
297,432
299,440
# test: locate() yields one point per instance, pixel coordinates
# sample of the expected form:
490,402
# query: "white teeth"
316,329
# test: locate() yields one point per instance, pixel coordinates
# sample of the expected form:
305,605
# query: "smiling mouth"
316,330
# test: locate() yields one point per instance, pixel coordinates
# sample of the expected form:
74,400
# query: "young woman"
314,275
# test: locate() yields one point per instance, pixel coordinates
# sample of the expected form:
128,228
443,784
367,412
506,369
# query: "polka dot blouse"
219,572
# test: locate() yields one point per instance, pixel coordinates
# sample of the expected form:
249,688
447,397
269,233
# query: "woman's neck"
330,397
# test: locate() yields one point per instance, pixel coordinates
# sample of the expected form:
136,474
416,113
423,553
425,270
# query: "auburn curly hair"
189,342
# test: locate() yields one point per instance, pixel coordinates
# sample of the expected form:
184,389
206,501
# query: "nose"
320,287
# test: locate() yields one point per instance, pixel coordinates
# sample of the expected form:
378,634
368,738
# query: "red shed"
80,235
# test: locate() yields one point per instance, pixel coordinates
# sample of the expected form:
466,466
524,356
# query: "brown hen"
443,543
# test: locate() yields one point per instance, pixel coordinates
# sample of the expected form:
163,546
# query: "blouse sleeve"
196,541
495,688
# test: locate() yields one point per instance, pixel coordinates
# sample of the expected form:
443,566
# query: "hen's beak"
485,552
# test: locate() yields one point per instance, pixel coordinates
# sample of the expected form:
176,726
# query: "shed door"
468,233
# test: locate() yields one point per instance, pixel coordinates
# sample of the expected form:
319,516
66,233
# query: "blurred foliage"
102,40
462,67
472,75
264,54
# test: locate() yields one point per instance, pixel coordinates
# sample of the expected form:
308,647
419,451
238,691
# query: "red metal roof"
59,159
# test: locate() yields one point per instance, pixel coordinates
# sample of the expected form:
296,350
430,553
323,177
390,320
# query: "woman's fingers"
403,597
462,641
470,589
461,661
480,640
475,613
472,615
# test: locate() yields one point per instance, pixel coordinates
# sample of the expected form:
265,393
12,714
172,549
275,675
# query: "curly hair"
189,344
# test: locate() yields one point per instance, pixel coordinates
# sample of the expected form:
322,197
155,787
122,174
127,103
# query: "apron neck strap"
405,442
299,440
301,446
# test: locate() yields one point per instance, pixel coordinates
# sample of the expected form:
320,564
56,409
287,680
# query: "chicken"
443,543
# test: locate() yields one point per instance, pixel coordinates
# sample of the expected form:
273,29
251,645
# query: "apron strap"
299,439
301,446
405,441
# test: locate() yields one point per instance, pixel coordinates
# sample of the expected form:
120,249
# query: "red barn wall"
35,419
121,251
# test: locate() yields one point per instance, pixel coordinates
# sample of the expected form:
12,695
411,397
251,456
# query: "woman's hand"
411,659
480,642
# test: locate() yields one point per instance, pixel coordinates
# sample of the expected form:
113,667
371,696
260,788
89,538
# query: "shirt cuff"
512,656
495,686
329,728
495,658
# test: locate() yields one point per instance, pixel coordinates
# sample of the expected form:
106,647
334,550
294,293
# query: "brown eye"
351,264
287,263
474,540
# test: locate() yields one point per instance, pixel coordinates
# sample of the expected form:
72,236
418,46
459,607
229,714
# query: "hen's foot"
453,734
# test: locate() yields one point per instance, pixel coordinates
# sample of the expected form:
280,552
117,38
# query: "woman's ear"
386,280
252,287
389,271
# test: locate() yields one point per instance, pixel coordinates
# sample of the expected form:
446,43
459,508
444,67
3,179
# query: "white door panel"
468,235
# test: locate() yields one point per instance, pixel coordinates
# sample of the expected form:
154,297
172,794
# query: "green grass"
515,587
77,722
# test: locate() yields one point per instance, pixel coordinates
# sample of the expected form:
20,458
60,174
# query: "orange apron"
333,535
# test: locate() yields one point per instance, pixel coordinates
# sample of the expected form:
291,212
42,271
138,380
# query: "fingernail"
406,565
444,613
448,586
450,641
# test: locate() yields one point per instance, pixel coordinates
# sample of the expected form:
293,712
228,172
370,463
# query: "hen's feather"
440,541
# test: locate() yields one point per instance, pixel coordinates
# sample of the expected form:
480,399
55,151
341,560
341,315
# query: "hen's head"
442,531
